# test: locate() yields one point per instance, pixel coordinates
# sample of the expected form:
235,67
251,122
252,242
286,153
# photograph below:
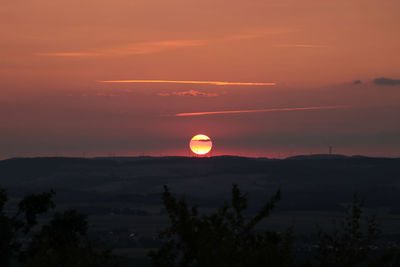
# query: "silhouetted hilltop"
319,156
333,156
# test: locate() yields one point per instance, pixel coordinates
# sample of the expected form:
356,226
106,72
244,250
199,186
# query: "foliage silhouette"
62,242
223,238
352,243
11,228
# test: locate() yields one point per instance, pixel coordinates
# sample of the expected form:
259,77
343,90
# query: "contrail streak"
257,110
189,82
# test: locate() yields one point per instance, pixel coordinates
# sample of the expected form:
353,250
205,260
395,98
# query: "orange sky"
284,54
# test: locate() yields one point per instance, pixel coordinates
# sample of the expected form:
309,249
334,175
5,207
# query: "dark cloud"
386,81
357,82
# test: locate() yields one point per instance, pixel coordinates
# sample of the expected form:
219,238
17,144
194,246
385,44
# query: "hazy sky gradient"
54,53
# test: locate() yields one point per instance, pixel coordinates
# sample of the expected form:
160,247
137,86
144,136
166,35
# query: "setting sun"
200,144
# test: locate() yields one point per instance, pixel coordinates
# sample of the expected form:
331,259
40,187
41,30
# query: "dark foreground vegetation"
62,241
226,237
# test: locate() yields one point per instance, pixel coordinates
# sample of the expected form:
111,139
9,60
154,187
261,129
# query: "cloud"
386,81
189,93
257,110
195,93
143,48
192,82
131,49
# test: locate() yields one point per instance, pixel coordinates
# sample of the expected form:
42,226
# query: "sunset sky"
259,77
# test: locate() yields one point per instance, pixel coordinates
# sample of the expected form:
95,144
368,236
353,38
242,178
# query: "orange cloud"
143,48
152,47
257,110
132,49
194,93
190,93
191,82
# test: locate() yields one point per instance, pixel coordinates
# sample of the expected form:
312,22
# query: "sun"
200,144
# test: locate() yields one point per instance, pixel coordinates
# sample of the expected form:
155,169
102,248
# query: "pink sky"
284,54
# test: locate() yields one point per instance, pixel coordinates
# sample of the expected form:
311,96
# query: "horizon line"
94,157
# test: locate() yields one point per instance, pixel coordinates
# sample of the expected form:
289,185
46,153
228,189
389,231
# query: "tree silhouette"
12,228
351,243
62,242
223,238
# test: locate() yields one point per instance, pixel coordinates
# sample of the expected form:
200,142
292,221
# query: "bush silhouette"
224,238
62,242
352,242
348,245
13,227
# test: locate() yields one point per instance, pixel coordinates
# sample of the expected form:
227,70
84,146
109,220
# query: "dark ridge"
319,156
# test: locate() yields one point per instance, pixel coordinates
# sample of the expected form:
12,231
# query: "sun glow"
200,144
